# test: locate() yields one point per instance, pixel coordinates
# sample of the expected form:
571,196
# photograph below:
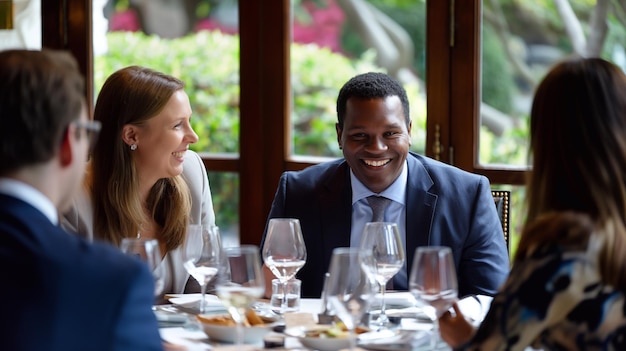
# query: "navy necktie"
378,205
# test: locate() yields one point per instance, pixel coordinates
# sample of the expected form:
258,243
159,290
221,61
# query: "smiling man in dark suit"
59,292
433,203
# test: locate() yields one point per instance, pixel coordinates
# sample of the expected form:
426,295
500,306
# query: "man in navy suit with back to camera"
432,203
58,291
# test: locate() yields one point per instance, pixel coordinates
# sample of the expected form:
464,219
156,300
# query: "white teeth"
178,154
376,163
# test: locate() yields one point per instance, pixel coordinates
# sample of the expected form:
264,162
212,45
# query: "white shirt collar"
31,196
396,191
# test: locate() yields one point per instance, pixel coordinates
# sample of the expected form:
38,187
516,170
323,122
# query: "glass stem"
383,289
203,300
434,340
239,326
352,337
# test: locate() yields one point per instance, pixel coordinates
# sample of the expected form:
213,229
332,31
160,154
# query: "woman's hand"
455,329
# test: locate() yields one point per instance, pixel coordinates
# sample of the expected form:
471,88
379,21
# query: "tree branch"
598,28
394,47
497,20
572,26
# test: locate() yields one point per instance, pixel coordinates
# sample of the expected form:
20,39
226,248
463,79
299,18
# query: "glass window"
196,41
336,40
521,40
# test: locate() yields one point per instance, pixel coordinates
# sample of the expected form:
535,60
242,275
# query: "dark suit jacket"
61,293
445,206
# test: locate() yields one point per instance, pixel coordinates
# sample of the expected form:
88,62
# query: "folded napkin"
474,308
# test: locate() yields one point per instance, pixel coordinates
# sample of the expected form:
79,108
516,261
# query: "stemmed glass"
284,251
433,283
383,239
245,286
201,256
349,289
148,251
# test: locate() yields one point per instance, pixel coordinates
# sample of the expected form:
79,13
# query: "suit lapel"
420,207
336,203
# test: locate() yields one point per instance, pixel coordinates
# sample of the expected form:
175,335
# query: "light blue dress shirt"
395,212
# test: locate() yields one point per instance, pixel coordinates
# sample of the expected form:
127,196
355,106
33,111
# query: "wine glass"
349,289
148,251
201,256
245,286
383,239
284,251
433,282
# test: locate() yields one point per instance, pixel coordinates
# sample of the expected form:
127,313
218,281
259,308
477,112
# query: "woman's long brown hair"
133,95
578,151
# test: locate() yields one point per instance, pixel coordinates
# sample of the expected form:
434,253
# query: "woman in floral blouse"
567,285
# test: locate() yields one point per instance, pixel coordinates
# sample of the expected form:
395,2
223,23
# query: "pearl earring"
133,147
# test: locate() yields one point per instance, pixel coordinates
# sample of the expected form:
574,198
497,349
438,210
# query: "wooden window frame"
454,87
453,93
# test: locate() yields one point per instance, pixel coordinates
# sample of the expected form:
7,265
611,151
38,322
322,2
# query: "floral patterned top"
555,300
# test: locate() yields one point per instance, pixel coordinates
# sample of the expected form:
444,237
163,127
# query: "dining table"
180,328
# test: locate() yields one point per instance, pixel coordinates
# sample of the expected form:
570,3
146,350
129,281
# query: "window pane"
521,40
24,16
195,41
334,41
225,191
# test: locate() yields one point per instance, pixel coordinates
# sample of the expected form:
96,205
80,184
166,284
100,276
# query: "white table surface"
192,338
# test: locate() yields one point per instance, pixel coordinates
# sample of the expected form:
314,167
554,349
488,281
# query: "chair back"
501,199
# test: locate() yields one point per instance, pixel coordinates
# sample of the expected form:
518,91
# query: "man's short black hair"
371,85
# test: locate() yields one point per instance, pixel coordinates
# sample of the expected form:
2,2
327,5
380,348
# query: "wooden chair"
501,199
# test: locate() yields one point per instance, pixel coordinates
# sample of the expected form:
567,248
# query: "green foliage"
615,40
497,81
510,148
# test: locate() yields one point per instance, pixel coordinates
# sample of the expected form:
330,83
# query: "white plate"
398,340
333,344
251,335
192,301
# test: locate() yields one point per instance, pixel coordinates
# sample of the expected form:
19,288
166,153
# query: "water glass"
290,290
148,251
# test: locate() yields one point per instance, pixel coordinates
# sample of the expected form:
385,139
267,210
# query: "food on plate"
338,330
221,319
251,319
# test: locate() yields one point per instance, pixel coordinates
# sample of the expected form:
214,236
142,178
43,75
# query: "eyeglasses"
91,128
